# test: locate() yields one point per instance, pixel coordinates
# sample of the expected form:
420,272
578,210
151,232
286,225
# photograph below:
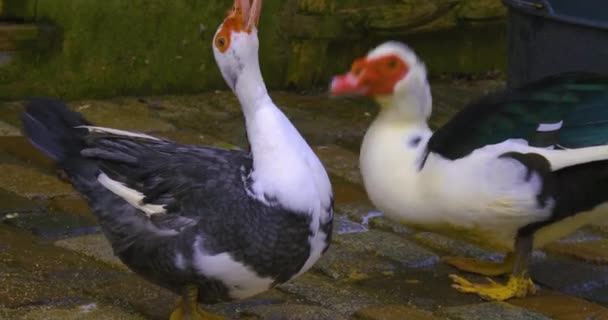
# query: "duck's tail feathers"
52,128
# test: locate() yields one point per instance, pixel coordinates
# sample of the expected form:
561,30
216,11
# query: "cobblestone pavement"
54,263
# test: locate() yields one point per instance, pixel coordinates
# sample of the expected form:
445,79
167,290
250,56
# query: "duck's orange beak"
346,84
254,15
350,83
370,77
244,15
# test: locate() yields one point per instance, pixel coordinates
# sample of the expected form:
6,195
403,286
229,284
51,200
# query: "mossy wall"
115,47
95,48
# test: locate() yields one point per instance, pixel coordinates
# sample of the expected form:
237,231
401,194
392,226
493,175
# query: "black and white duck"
209,224
513,171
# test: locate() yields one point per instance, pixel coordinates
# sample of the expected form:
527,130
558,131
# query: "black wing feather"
167,173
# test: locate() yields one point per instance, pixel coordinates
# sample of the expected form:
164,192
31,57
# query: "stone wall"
117,47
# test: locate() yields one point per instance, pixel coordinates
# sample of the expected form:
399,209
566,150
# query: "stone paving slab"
394,312
598,294
292,312
22,150
129,291
8,130
454,247
376,220
425,288
214,113
31,273
584,234
123,113
340,297
320,120
562,307
56,217
194,138
10,113
21,289
90,311
75,205
323,120
53,224
238,309
36,273
390,246
594,251
340,162
491,311
601,225
341,263
352,200
95,246
12,203
343,225
30,183
573,277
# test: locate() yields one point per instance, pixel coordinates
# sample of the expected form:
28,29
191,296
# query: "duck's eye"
221,41
392,64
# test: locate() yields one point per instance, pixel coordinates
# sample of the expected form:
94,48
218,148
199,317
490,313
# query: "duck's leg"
519,284
188,308
486,268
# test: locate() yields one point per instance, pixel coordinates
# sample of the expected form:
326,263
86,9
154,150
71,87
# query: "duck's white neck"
391,154
267,127
251,90
411,103
284,167
394,139
395,142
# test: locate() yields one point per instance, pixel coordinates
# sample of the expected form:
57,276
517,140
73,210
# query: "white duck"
480,177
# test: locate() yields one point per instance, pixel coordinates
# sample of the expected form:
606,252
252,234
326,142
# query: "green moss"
481,9
21,9
115,47
470,49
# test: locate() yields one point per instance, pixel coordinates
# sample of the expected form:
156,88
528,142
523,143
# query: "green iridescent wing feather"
579,101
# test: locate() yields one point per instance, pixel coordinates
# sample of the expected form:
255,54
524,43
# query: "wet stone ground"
54,263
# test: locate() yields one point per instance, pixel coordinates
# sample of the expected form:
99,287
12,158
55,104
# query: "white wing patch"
570,157
133,197
545,127
179,261
317,245
242,281
118,132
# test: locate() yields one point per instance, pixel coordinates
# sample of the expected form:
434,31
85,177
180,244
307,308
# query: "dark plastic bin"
553,36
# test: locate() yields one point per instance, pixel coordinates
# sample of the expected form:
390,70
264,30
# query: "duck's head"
235,44
394,76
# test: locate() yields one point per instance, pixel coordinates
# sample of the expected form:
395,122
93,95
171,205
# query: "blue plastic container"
548,37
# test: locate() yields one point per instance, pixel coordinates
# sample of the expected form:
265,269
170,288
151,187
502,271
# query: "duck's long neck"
399,134
269,131
391,154
284,166
411,102
251,91
406,111
394,141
